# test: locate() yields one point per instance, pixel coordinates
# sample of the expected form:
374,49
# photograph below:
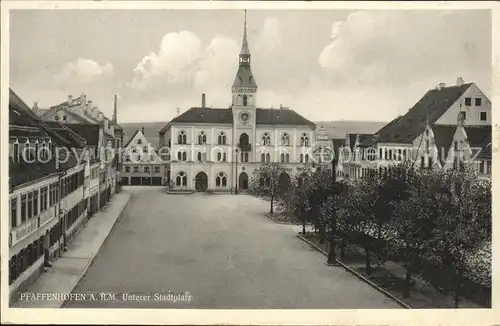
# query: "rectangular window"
488,167
477,101
422,162
380,155
136,169
157,169
13,212
468,101
145,149
127,169
483,116
35,203
30,205
146,169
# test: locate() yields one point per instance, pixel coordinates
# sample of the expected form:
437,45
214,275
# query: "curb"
268,215
358,275
102,244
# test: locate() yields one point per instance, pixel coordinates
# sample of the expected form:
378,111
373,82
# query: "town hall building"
219,148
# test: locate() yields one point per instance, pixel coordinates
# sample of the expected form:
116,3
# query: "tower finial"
244,45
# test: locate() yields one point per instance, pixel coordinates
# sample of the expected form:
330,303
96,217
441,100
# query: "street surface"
220,249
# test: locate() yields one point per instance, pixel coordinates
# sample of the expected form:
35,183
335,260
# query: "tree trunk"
342,248
303,226
407,284
272,202
456,300
367,262
321,235
456,296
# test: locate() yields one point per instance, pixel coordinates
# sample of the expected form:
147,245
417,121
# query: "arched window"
301,158
268,158
221,140
285,140
245,158
282,156
181,138
266,139
307,158
245,100
287,158
390,155
184,156
179,156
181,179
262,157
221,180
202,138
304,140
199,156
219,156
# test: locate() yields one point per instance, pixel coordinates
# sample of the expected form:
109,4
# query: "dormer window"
266,139
139,141
468,101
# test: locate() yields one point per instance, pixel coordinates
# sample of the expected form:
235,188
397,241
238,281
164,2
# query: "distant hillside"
335,129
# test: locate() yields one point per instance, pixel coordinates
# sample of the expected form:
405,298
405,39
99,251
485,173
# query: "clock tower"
244,103
244,87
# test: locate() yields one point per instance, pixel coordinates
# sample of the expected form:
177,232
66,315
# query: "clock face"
244,117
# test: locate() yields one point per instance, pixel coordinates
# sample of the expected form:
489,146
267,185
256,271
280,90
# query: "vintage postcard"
217,162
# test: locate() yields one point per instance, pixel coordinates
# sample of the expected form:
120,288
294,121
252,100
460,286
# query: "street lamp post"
332,255
236,174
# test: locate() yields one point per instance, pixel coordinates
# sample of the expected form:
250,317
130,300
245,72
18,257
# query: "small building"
141,163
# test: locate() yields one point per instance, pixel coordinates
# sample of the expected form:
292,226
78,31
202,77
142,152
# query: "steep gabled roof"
370,141
443,139
432,105
479,139
90,132
131,138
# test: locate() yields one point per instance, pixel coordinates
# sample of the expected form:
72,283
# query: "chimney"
115,118
35,107
441,86
84,99
460,81
70,100
203,100
178,111
142,130
281,106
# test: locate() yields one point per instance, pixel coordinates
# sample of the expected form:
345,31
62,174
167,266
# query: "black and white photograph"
218,157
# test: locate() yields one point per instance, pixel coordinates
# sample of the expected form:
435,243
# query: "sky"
325,64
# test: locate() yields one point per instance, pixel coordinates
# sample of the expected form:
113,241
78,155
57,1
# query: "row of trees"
434,222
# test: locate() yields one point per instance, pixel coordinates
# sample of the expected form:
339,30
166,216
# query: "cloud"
83,71
399,47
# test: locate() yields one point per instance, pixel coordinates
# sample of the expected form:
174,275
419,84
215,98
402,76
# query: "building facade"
219,148
141,163
423,135
47,200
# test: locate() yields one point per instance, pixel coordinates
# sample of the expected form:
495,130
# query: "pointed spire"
244,45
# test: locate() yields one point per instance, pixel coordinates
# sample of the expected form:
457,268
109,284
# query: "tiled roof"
443,139
63,130
480,137
131,138
244,78
205,115
370,141
225,116
432,105
281,117
90,132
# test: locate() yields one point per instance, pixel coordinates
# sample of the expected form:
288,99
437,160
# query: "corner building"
219,148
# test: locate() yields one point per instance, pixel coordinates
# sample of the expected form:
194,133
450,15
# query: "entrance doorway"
283,183
243,181
201,182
